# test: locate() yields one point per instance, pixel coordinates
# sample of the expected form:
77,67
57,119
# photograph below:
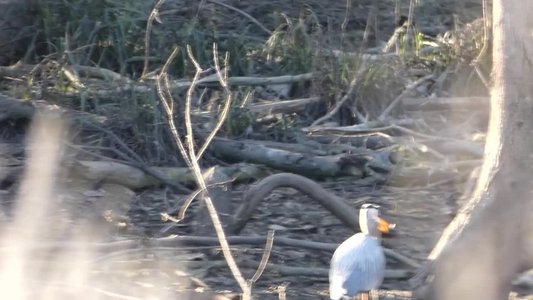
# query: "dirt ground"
416,212
420,215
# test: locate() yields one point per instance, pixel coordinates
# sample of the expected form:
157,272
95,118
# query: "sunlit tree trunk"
491,239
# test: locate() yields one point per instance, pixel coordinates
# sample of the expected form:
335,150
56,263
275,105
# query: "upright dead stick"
191,158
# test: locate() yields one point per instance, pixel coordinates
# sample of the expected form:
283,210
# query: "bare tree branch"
192,159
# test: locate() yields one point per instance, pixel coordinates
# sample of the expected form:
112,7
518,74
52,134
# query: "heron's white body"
358,265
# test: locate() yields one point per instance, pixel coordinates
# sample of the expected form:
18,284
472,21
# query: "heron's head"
371,223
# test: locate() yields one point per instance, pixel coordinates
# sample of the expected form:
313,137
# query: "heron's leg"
374,295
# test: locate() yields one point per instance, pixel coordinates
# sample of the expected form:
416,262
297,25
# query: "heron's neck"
368,226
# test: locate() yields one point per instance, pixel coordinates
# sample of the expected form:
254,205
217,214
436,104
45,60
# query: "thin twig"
168,104
397,100
189,136
154,15
114,137
487,23
183,209
371,18
347,13
348,95
227,104
264,258
409,37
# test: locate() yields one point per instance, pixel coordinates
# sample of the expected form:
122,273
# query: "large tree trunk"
491,239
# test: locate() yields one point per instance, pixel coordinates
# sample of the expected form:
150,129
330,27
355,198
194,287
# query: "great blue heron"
358,264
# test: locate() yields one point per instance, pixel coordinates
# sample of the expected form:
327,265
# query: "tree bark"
491,241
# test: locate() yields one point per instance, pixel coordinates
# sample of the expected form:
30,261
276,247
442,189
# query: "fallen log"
438,103
364,128
19,70
294,162
281,106
457,147
372,141
134,178
14,109
185,241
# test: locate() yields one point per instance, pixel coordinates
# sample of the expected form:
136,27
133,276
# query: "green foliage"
291,45
238,122
377,82
94,32
111,34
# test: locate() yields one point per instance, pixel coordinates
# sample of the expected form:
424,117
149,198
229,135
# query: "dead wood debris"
335,155
112,248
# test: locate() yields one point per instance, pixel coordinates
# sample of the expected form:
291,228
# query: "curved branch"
251,199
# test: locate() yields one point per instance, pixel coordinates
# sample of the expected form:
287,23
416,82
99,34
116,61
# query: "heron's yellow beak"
384,226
